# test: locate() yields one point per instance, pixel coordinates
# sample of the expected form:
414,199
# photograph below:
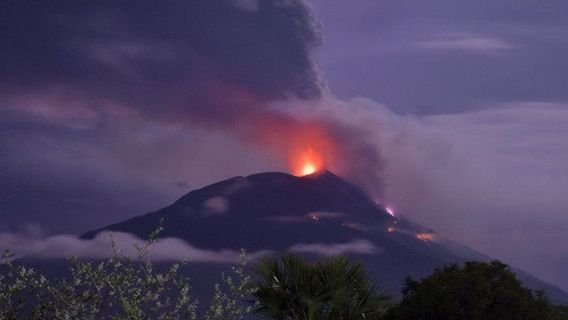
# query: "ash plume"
219,65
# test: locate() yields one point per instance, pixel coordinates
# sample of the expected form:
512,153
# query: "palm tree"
293,288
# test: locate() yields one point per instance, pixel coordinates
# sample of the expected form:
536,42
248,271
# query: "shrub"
334,289
118,288
476,290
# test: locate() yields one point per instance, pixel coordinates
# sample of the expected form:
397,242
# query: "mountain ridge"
278,212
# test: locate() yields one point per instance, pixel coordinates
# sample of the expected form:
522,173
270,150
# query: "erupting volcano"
322,215
310,147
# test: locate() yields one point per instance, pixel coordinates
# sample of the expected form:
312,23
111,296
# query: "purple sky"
109,111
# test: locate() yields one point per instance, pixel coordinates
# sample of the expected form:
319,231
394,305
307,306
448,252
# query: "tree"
473,291
292,288
118,288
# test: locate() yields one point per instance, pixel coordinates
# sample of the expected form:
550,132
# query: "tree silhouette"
477,290
292,288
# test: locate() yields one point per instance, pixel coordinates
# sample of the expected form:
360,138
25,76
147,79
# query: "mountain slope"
320,214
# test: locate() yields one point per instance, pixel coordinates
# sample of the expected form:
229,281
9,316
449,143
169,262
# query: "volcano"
316,215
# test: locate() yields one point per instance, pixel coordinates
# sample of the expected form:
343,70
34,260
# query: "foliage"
227,303
20,287
118,288
330,289
561,312
474,291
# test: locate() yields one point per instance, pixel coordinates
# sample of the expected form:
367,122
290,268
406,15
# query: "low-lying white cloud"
100,247
164,249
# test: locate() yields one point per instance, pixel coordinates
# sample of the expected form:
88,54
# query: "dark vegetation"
288,287
293,288
476,290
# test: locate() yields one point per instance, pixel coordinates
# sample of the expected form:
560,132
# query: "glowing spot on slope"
425,236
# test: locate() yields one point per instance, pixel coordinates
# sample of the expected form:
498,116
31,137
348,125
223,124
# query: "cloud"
100,247
164,59
164,249
185,63
494,179
468,43
486,178
354,247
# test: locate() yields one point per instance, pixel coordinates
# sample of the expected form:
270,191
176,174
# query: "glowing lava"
308,168
425,236
308,162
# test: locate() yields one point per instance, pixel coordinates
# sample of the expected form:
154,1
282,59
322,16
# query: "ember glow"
310,148
308,168
425,236
308,162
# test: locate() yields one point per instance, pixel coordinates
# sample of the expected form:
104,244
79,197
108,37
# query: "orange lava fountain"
308,162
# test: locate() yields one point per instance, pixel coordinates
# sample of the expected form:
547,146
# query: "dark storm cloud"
167,57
